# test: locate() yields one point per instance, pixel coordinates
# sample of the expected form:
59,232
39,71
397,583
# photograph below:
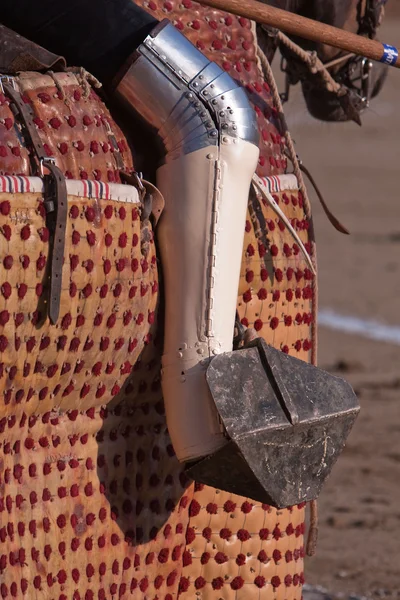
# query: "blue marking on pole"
390,55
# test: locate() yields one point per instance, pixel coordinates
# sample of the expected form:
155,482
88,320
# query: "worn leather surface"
93,503
19,54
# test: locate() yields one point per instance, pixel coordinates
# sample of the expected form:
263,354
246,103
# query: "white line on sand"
366,328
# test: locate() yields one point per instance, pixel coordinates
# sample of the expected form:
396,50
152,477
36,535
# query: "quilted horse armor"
94,503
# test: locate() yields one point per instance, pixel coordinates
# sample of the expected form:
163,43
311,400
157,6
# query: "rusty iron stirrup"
287,422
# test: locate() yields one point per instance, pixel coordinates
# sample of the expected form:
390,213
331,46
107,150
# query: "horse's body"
93,503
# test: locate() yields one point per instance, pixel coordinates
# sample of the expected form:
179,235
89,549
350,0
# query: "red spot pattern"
125,487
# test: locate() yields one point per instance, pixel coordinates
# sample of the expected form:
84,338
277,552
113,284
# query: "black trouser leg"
96,34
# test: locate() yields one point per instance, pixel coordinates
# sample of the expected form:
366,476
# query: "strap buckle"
8,79
43,162
49,202
139,185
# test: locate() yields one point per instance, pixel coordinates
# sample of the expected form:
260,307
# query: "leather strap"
157,200
150,196
24,113
55,200
331,217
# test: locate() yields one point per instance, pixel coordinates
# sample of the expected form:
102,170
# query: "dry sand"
358,170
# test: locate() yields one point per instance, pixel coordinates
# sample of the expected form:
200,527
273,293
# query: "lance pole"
309,29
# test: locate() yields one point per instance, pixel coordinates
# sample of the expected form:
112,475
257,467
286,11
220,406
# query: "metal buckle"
42,164
7,79
356,75
365,76
359,75
138,177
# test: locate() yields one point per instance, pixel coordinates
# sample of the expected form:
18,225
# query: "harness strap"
22,110
151,198
331,217
55,200
56,194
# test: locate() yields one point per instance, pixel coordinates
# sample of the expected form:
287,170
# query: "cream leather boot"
210,137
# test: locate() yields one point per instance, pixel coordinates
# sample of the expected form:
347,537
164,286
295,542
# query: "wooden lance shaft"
310,30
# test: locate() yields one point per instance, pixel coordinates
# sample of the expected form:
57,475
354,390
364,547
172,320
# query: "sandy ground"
358,171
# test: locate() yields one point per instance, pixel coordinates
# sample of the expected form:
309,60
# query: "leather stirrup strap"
56,201
331,217
151,198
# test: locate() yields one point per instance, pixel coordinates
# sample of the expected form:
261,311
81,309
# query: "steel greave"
210,138
201,240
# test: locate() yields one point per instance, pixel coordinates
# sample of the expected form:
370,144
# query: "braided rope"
269,76
311,60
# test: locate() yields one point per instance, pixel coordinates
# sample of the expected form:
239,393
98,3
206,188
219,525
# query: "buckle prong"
43,162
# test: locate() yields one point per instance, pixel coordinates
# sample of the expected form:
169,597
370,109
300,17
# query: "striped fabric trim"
14,184
280,183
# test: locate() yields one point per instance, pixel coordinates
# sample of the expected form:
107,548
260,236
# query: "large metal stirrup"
230,417
288,422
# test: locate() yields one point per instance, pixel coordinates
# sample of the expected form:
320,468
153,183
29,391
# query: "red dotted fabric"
276,284
93,503
276,296
74,126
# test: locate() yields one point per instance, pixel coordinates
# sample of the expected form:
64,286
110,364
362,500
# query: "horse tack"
135,526
351,75
55,378
230,549
55,201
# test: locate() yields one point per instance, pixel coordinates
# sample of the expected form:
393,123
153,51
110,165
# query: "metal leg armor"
211,141
232,417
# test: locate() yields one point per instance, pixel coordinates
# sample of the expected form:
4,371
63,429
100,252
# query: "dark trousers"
96,34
